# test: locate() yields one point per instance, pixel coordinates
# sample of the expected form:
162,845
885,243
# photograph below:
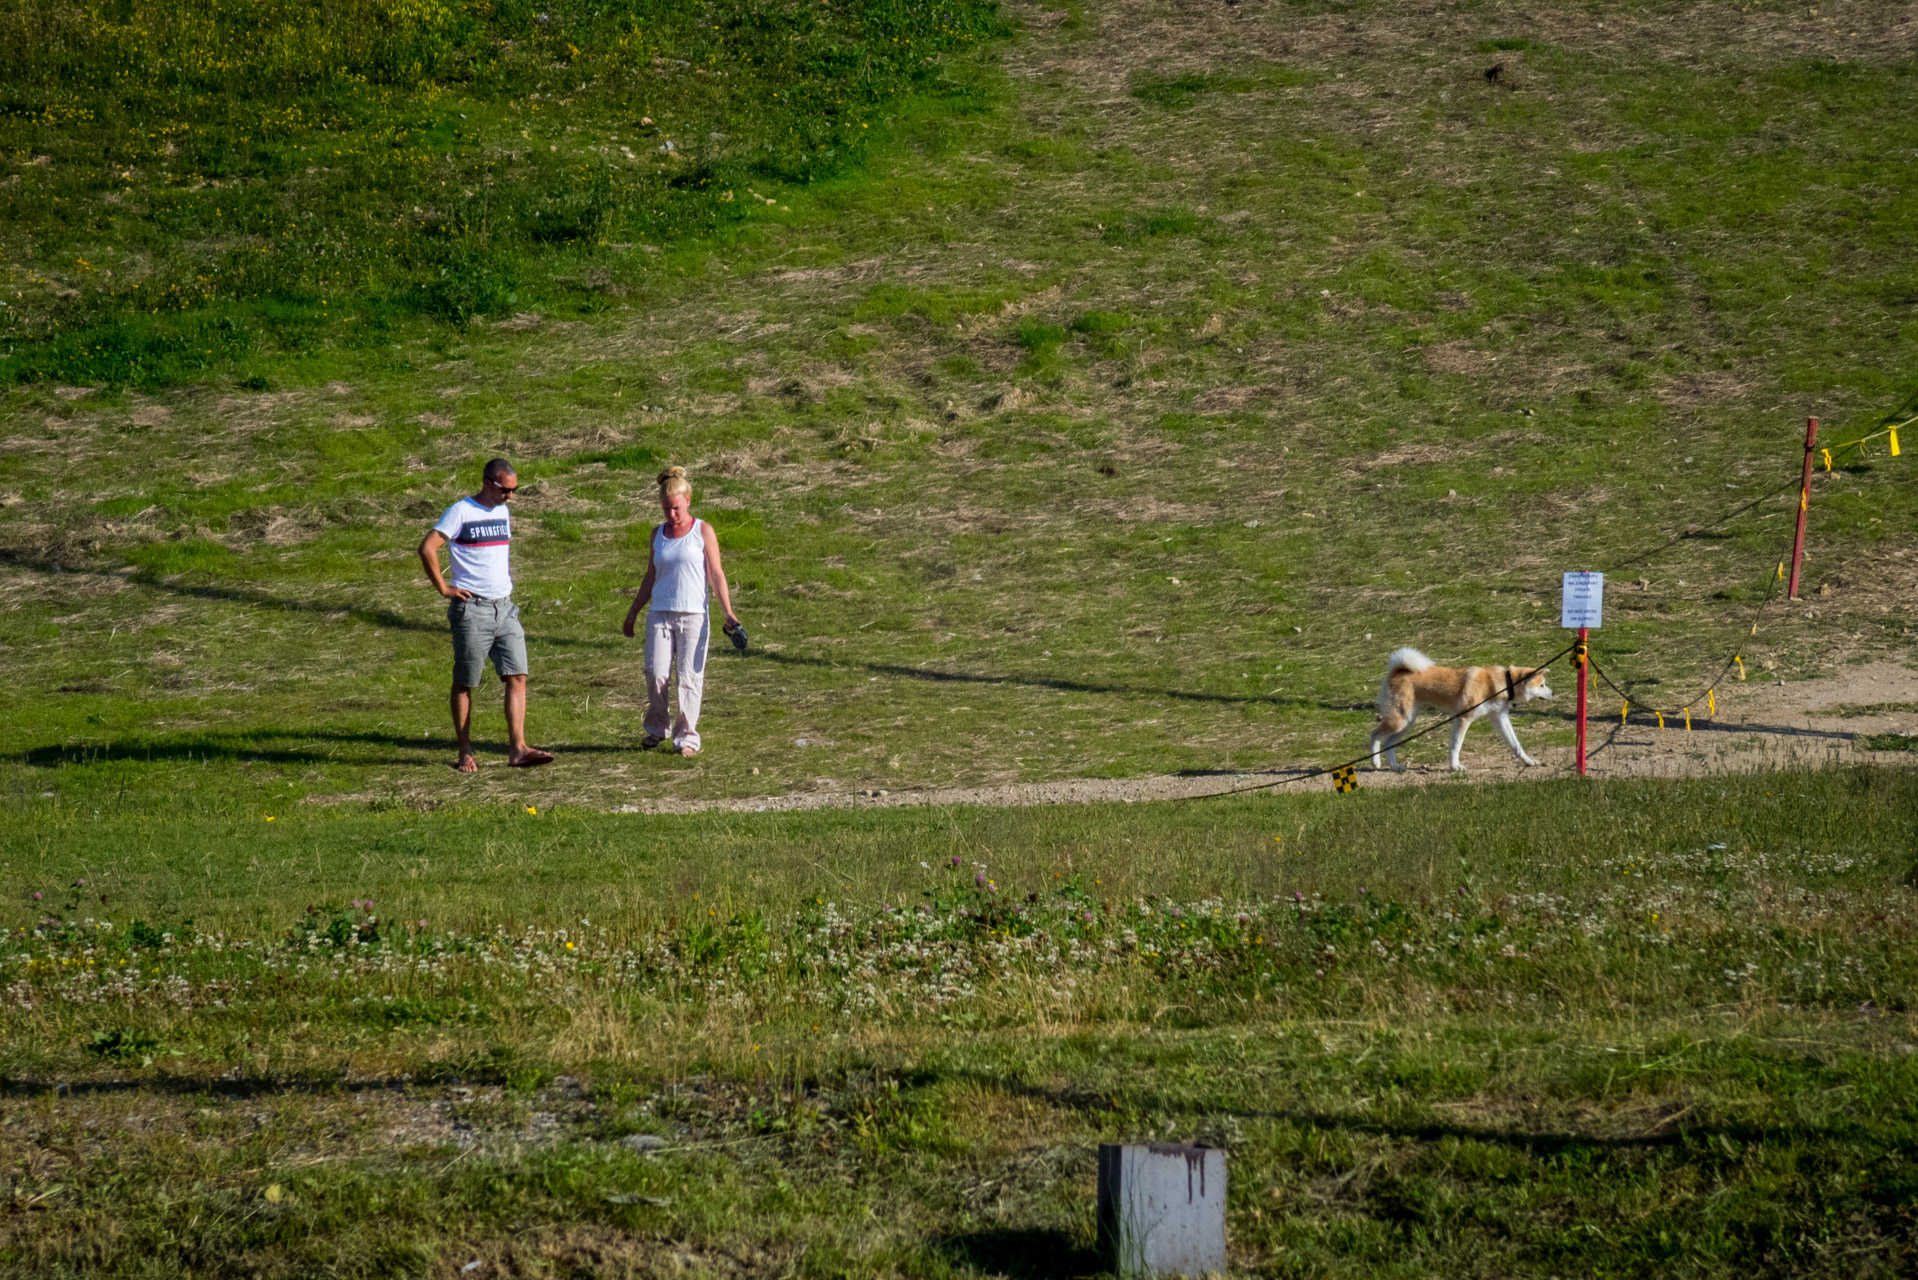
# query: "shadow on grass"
307,746
388,619
1667,1133
1023,1253
257,599
254,598
932,675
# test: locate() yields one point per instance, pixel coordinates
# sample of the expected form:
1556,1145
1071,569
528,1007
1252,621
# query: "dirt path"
1763,723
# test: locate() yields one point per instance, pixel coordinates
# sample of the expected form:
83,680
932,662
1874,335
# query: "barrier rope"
1345,776
1859,444
1709,694
1700,530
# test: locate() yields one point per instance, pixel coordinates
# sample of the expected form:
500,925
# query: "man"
484,618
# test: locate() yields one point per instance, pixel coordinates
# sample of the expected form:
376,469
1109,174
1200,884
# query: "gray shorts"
485,629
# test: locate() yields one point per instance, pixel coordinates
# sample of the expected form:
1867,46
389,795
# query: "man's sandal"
531,758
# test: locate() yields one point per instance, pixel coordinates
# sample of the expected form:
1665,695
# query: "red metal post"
1583,661
1804,504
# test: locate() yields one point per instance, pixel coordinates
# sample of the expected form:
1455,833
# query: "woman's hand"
732,620
628,628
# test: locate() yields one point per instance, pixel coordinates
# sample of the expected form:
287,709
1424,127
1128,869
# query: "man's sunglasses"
507,493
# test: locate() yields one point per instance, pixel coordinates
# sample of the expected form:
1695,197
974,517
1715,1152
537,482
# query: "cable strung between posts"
1359,760
1771,592
1889,429
1693,532
1700,530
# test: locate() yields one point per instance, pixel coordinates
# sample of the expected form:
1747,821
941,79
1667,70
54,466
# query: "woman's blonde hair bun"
673,480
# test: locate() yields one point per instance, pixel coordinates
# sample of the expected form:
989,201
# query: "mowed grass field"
1152,375
1091,390
1625,1028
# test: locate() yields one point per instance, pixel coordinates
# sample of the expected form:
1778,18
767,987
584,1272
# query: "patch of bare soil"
1768,724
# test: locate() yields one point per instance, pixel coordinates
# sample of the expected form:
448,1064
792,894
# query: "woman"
683,564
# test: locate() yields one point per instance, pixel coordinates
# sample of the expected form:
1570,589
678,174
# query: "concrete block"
1162,1210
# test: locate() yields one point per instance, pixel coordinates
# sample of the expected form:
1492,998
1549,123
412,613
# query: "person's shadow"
1024,1253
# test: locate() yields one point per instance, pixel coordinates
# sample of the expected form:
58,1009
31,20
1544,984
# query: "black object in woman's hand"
737,634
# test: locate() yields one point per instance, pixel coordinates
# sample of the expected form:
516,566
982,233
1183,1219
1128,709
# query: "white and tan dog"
1412,681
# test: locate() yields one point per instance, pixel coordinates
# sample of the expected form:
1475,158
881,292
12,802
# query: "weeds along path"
1164,368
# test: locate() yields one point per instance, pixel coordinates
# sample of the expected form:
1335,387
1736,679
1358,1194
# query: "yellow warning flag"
1624,709
1711,702
1688,719
1827,453
1894,441
1661,718
1741,666
1346,778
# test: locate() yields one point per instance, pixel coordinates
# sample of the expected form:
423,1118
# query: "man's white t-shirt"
480,538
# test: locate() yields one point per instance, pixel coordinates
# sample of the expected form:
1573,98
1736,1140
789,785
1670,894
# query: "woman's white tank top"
679,571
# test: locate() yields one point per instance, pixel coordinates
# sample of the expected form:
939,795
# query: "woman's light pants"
676,641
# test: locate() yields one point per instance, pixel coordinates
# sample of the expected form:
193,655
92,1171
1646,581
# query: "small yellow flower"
569,946
269,817
530,809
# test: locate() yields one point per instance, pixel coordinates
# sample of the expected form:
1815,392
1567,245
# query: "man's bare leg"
518,754
462,704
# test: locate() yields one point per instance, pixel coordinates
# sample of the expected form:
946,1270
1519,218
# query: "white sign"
1583,600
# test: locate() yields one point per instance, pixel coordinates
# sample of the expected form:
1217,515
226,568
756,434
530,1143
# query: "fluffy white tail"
1400,660
1406,660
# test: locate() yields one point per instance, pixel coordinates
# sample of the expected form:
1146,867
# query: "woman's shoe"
650,741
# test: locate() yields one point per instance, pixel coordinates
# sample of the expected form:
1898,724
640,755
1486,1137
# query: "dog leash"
1358,760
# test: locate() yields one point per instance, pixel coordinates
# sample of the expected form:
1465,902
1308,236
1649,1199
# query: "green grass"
204,189
1227,388
1111,410
1521,1030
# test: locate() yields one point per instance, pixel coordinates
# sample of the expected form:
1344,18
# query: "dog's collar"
1509,695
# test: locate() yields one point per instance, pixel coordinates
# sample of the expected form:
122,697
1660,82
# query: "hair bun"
673,481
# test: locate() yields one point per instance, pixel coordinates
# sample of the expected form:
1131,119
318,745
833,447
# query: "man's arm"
430,557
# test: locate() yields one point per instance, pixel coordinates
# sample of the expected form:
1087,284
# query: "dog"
1412,681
